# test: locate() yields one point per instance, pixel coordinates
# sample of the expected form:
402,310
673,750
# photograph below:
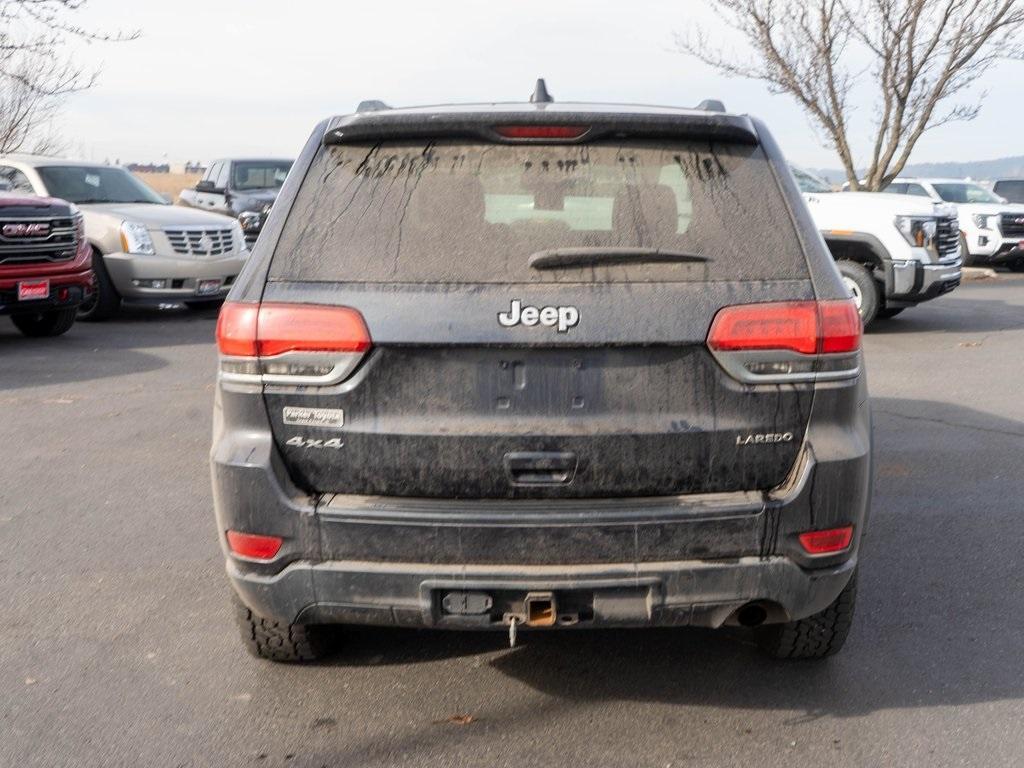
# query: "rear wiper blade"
561,258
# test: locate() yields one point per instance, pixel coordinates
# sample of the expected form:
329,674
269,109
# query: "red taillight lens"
826,542
236,329
310,328
792,325
253,545
541,131
807,327
840,329
265,330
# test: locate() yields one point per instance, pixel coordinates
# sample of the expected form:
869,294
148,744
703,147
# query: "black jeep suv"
530,365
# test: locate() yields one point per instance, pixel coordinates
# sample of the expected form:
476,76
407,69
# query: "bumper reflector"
828,541
253,545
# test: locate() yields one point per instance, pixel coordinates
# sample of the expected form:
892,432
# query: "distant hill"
980,170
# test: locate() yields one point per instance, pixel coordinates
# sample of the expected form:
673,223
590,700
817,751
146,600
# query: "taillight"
290,343
309,328
254,546
549,132
792,326
786,341
826,542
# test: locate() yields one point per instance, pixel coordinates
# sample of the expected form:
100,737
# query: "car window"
809,183
96,184
918,190
248,175
964,192
1011,189
213,172
896,189
16,180
223,175
451,212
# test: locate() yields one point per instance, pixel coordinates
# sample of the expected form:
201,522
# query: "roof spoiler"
395,125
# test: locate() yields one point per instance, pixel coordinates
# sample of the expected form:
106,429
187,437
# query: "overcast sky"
231,77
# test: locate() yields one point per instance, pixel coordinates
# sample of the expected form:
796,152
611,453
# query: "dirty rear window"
446,212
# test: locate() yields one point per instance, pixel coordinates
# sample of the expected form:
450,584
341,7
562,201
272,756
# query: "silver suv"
143,247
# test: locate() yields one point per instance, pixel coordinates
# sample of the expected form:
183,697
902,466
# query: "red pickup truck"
45,263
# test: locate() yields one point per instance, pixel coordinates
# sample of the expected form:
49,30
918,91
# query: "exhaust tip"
751,615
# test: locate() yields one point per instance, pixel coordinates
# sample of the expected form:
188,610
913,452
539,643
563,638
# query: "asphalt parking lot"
117,649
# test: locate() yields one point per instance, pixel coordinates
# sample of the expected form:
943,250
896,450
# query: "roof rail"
711,105
540,93
372,105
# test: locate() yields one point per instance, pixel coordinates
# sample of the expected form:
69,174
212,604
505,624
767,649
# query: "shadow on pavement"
108,349
954,315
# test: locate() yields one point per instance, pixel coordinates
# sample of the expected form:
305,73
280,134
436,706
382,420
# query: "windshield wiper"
562,258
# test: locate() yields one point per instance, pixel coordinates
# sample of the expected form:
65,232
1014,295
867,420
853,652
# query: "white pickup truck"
991,228
893,251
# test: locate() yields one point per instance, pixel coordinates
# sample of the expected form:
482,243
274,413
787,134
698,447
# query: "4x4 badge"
563,318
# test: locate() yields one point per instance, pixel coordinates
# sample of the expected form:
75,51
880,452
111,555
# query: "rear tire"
41,324
277,641
105,301
816,637
862,285
1016,266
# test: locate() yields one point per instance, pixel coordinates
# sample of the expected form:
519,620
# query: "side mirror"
206,186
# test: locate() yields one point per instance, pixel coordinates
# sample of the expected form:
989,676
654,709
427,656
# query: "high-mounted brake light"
290,343
541,131
807,327
826,542
253,545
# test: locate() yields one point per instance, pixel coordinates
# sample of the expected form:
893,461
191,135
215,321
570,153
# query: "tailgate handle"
541,467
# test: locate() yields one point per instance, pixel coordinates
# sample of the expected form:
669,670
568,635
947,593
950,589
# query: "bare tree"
922,58
37,68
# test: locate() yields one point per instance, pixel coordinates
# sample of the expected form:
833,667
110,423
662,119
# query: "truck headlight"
135,239
983,220
917,231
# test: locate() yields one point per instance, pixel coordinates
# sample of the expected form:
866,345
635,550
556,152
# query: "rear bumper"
182,275
679,593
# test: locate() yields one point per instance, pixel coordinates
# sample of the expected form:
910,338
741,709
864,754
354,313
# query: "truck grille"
947,236
201,242
1012,224
58,243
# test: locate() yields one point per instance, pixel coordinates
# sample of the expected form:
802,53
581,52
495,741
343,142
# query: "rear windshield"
444,212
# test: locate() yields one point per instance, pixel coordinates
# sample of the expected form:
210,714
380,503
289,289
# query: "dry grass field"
170,184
